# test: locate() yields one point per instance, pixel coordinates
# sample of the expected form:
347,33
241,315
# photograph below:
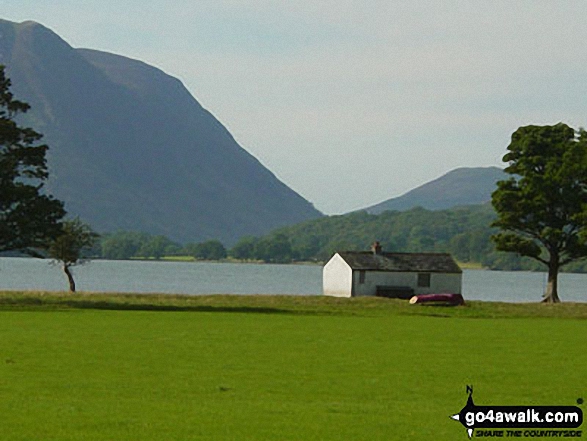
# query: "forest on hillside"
464,232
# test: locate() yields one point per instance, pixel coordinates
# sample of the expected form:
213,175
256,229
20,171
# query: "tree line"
464,232
135,245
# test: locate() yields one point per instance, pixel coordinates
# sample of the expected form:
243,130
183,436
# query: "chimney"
376,248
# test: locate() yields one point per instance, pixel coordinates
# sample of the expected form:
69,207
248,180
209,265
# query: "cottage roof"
401,262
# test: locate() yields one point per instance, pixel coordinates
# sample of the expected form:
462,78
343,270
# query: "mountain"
462,186
132,149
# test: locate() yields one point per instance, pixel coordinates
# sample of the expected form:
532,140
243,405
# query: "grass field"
98,367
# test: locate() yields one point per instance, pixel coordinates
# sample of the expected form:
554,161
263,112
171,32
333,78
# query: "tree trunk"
69,278
551,294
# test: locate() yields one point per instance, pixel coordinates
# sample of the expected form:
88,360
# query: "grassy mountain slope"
462,186
131,149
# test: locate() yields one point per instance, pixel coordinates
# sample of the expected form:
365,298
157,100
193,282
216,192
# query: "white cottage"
399,275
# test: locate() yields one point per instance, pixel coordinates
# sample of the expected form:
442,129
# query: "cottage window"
424,280
361,277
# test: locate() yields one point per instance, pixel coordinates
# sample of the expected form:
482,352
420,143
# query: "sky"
352,102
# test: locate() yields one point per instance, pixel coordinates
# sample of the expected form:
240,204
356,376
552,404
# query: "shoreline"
19,300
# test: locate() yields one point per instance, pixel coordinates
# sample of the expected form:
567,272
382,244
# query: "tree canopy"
69,247
542,208
29,218
208,250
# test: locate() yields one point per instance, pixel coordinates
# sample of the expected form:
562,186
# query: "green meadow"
130,367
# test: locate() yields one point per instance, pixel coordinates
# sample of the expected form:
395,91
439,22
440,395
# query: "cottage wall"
439,282
444,283
337,278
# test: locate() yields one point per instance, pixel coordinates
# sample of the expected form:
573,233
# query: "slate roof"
401,262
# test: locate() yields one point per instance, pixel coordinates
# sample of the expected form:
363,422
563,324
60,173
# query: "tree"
275,249
306,247
245,248
29,218
68,248
123,245
157,247
542,208
208,250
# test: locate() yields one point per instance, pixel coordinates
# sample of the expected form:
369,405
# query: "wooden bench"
394,292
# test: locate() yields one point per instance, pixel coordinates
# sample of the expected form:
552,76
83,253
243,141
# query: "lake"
242,278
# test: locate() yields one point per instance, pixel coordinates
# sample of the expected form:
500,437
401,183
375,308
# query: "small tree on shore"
69,247
542,208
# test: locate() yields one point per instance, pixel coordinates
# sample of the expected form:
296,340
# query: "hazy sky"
352,102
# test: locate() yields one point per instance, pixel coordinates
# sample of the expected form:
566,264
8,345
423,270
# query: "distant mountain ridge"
131,149
459,187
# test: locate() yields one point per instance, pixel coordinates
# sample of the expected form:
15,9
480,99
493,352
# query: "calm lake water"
232,278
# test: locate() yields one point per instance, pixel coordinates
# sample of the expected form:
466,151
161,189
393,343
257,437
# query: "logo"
520,421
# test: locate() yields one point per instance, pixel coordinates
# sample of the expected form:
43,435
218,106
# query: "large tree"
29,218
542,208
